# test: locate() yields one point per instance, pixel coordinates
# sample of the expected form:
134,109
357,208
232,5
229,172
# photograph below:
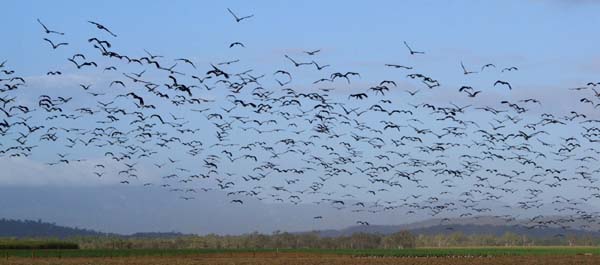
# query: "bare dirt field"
304,259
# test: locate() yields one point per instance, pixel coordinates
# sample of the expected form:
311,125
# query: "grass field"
419,252
36,244
304,258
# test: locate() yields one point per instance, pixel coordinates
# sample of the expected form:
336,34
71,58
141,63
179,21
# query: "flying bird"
509,69
399,66
465,69
487,66
412,52
294,62
55,46
187,61
358,96
48,31
503,83
79,66
312,52
236,44
102,27
238,19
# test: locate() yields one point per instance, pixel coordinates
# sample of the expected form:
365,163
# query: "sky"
552,43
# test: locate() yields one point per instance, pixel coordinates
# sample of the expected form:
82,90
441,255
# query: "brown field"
306,259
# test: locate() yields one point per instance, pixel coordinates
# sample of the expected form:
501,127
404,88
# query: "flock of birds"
261,136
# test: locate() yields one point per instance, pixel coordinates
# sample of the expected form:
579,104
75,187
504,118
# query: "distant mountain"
468,226
28,228
472,226
466,229
157,235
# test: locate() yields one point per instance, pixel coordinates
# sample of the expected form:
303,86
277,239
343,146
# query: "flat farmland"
306,258
221,253
292,258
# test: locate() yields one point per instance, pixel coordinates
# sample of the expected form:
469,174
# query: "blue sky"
552,42
541,32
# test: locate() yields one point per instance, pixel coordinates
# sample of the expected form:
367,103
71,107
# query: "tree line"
284,240
88,239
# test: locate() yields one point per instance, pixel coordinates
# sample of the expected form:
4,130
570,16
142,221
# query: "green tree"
401,239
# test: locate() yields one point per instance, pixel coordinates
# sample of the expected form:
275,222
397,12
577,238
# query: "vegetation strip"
419,252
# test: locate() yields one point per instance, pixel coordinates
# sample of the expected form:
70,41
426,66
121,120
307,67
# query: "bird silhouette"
500,82
56,46
412,52
238,19
48,31
102,27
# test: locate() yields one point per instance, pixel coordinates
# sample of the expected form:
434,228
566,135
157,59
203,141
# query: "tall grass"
418,252
36,244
